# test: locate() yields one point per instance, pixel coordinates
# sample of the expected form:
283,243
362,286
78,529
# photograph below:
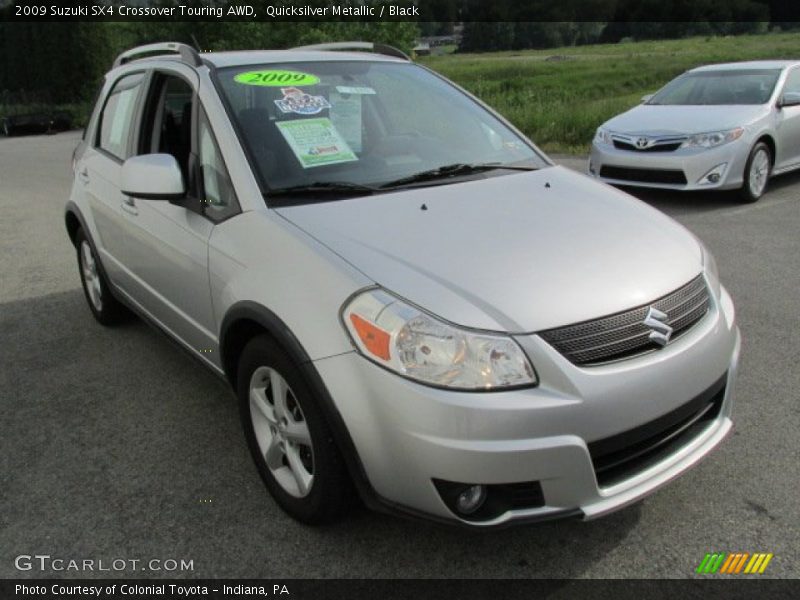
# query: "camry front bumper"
682,169
408,435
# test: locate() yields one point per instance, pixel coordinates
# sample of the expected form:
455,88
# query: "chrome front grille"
624,334
665,147
644,143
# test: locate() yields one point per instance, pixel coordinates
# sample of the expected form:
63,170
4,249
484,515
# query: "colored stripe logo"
734,563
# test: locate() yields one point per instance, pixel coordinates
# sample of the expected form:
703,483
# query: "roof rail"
372,47
188,54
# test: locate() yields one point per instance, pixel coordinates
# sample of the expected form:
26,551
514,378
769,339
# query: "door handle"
129,206
83,175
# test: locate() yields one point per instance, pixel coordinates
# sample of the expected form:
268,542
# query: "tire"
104,306
276,429
756,173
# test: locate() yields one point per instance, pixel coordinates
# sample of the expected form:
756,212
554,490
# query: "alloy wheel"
281,431
759,171
91,277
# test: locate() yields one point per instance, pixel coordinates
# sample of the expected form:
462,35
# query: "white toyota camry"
727,126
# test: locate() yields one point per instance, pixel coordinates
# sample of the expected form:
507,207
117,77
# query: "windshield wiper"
453,170
324,187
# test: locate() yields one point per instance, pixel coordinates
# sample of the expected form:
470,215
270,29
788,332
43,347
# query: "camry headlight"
712,139
417,345
602,136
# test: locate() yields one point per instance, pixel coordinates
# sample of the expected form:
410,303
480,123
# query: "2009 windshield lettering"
276,78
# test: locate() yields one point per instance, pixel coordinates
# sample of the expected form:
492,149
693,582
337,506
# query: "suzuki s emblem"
642,142
657,321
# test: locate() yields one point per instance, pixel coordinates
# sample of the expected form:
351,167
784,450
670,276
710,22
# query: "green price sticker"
276,78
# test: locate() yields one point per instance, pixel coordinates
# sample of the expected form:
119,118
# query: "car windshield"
750,86
361,126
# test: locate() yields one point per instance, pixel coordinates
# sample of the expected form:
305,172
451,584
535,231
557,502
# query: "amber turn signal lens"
375,339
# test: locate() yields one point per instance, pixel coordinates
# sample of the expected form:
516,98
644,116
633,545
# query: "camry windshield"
751,86
362,127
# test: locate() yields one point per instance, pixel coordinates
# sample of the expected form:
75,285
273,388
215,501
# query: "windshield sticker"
346,117
297,101
361,91
276,78
514,145
316,142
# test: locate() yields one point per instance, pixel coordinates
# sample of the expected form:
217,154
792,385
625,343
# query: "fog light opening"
714,175
476,503
471,499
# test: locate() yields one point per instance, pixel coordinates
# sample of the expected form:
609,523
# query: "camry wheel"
289,440
105,307
756,173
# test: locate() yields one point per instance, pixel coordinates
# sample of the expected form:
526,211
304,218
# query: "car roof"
750,64
255,57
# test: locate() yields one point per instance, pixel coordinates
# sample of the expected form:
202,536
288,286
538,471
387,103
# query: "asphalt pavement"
118,445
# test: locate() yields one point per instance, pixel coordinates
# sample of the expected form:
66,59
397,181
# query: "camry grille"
645,143
625,334
664,147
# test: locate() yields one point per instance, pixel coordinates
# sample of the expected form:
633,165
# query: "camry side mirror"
646,98
153,177
789,99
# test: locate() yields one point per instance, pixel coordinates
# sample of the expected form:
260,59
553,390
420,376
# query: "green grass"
560,103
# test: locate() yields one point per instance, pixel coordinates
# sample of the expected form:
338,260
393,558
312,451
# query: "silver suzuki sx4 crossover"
413,304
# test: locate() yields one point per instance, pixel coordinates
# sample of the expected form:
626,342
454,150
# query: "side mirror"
647,97
789,99
153,177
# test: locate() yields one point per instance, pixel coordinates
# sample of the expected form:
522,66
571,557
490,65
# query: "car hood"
519,253
665,120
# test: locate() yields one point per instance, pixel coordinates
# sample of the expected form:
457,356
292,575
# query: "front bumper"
407,435
693,163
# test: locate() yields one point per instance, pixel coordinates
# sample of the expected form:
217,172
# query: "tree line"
57,63
495,36
522,24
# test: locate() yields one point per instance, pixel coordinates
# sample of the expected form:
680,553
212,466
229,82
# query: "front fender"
248,263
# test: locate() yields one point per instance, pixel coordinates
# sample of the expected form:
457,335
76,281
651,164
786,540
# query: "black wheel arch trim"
275,327
73,210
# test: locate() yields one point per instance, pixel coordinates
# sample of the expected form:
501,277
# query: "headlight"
602,136
713,139
710,268
417,345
